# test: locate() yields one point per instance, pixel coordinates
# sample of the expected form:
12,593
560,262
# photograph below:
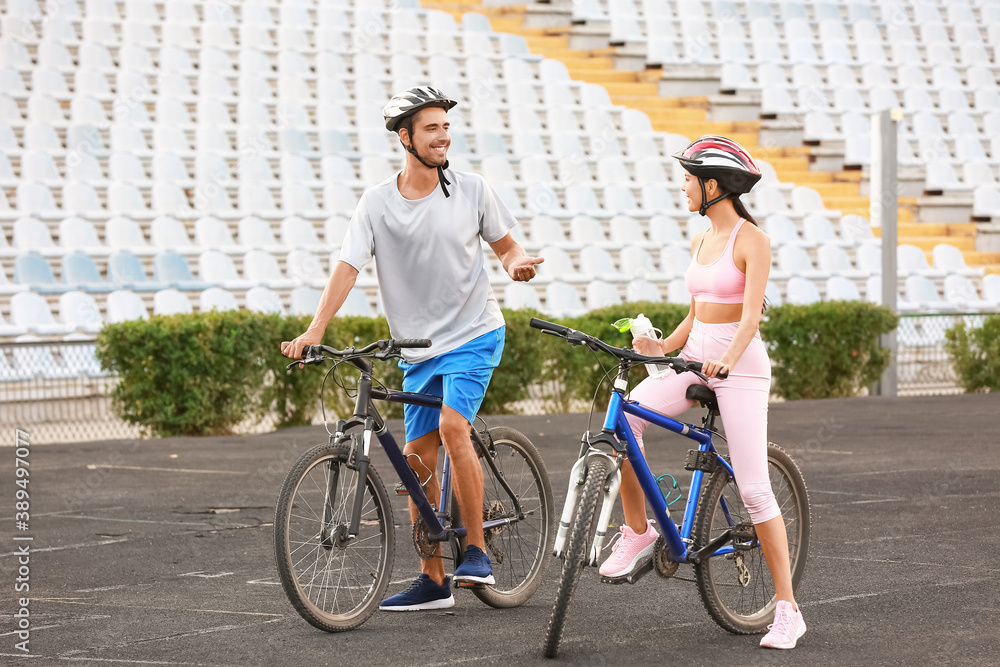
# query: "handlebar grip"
412,342
549,326
696,366
311,351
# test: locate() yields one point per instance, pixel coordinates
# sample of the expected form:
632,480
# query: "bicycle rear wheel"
737,588
519,550
333,581
577,549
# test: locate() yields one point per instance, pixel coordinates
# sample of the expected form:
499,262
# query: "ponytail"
742,211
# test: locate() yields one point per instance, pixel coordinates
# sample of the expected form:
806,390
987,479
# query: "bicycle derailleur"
493,511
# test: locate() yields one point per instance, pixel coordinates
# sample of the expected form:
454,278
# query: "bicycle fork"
577,476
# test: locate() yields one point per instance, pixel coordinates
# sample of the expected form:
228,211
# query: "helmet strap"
705,205
442,179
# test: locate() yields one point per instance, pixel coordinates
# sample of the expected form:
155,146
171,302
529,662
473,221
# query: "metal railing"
924,368
58,392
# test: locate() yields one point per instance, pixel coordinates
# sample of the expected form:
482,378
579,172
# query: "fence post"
884,214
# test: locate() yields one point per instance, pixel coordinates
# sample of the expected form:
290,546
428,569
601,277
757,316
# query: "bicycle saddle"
705,396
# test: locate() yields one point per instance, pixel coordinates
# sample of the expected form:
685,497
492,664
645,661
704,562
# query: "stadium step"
829,190
591,63
927,243
987,259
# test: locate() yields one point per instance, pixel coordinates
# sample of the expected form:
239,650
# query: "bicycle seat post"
707,398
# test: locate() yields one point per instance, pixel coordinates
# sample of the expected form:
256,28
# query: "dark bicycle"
333,527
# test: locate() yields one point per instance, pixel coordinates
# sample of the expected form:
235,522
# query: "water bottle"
641,326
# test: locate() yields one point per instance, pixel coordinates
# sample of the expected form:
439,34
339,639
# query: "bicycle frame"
677,540
367,415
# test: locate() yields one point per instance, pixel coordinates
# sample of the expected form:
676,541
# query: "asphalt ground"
160,552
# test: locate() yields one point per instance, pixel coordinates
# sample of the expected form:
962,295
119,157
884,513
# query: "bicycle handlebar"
380,349
579,338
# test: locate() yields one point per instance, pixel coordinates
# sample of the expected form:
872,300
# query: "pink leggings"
742,401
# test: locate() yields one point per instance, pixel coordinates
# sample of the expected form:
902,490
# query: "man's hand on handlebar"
293,349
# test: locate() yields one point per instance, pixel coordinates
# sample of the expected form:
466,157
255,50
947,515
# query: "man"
430,267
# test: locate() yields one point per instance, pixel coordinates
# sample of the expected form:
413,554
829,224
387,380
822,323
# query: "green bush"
826,350
290,396
975,354
187,374
203,374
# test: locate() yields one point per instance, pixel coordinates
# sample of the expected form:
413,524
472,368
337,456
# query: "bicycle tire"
519,551
747,607
577,549
362,566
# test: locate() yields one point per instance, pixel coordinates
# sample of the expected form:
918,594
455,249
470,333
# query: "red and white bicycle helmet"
724,160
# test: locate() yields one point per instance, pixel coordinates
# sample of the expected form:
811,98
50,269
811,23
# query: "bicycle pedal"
632,577
401,490
468,584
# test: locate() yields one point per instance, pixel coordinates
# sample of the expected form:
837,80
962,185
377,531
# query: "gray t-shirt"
429,259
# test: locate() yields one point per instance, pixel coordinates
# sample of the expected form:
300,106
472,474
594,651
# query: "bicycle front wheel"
518,550
577,549
334,581
737,588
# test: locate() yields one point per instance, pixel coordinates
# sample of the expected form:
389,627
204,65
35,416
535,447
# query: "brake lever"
310,361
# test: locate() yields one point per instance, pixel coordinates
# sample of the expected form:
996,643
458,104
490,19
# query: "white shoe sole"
425,606
798,636
459,579
640,559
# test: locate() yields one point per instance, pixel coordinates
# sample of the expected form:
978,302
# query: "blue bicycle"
716,535
334,538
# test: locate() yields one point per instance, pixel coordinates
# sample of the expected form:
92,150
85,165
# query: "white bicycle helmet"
409,102
412,100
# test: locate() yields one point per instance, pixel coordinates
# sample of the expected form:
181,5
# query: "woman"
729,267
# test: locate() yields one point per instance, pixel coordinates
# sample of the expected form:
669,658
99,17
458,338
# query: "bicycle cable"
342,383
593,403
322,397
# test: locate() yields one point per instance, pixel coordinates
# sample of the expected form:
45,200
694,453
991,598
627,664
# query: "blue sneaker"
476,567
423,593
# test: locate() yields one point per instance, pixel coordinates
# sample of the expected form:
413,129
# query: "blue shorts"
459,377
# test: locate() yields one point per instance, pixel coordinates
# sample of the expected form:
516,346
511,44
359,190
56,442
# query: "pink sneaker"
630,551
788,626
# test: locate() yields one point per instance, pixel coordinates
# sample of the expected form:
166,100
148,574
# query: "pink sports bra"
720,281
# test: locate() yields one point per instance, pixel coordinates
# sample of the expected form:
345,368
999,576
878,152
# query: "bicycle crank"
664,567
743,570
426,549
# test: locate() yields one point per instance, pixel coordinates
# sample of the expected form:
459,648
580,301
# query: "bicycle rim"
334,582
737,588
518,551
